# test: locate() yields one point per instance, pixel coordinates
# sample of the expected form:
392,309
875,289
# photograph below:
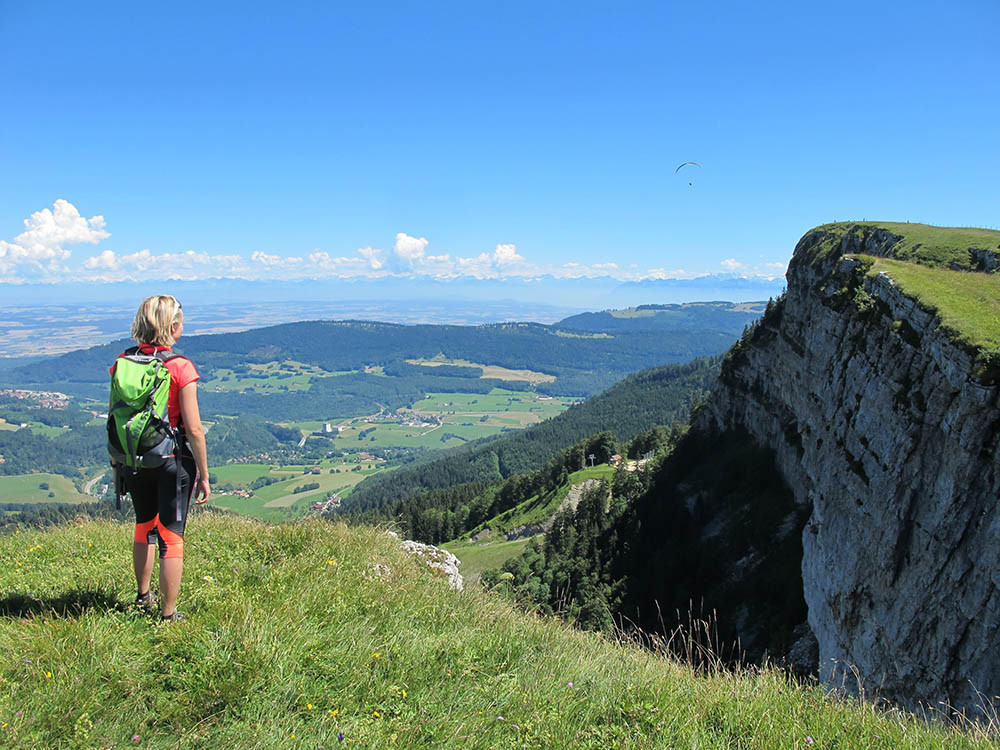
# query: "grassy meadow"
25,488
967,303
311,635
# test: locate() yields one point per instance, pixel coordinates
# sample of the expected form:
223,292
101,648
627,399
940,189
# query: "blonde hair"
154,322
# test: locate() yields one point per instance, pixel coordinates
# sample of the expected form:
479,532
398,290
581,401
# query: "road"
89,486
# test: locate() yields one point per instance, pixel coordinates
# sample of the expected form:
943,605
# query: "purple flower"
809,739
516,727
340,737
500,718
569,684
135,738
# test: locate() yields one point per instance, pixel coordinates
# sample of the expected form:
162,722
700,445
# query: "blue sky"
466,139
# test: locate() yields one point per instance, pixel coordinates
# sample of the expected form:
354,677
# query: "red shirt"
182,372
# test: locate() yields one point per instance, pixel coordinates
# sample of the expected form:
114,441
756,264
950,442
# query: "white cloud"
732,265
39,252
505,255
409,248
373,256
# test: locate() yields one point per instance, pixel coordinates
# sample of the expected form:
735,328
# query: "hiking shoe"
146,601
175,617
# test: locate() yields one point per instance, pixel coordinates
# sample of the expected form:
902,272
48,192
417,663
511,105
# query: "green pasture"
968,303
277,501
23,488
486,555
239,474
394,435
287,375
46,430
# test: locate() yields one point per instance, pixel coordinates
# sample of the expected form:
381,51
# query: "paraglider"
692,163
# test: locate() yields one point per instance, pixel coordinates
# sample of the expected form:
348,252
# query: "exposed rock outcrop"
436,558
883,427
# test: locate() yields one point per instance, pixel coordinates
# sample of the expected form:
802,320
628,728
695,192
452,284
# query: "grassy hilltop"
313,635
943,268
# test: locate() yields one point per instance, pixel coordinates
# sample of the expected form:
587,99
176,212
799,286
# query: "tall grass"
312,635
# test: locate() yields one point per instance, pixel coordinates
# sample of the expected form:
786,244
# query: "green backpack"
139,432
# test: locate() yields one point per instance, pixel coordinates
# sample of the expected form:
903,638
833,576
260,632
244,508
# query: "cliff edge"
884,419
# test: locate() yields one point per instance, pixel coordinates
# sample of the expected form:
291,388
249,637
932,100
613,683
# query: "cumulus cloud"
373,256
732,265
409,248
39,251
505,255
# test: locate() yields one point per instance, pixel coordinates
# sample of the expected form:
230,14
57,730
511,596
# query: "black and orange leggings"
161,498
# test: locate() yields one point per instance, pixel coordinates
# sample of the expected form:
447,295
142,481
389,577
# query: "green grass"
240,475
486,555
275,501
536,508
297,633
23,488
920,243
967,303
460,413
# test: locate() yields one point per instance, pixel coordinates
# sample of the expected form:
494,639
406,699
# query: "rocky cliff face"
889,440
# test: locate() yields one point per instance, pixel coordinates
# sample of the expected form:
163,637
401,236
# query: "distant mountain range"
604,291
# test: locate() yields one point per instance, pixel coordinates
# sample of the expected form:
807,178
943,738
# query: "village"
42,399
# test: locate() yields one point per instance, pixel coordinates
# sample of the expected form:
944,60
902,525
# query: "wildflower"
309,706
135,738
19,714
340,737
334,712
48,675
4,725
331,562
403,693
516,727
376,655
569,684
207,578
809,739
500,718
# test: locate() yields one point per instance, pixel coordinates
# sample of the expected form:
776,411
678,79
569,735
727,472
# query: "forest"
583,363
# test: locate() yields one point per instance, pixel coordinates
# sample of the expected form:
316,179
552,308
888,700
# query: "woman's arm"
191,419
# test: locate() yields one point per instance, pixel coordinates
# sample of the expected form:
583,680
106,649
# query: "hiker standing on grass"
162,495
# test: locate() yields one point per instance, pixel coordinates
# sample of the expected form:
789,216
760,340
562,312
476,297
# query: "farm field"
24,488
279,500
441,420
269,377
489,371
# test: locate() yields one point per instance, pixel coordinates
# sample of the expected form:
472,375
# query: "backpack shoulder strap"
165,356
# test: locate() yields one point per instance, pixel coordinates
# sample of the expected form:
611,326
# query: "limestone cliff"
885,427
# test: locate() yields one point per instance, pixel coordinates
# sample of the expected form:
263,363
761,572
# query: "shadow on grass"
71,604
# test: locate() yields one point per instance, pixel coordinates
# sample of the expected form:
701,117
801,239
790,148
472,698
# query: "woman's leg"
171,528
144,491
170,583
143,556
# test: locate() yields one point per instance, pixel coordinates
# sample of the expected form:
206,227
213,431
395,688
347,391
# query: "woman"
162,496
